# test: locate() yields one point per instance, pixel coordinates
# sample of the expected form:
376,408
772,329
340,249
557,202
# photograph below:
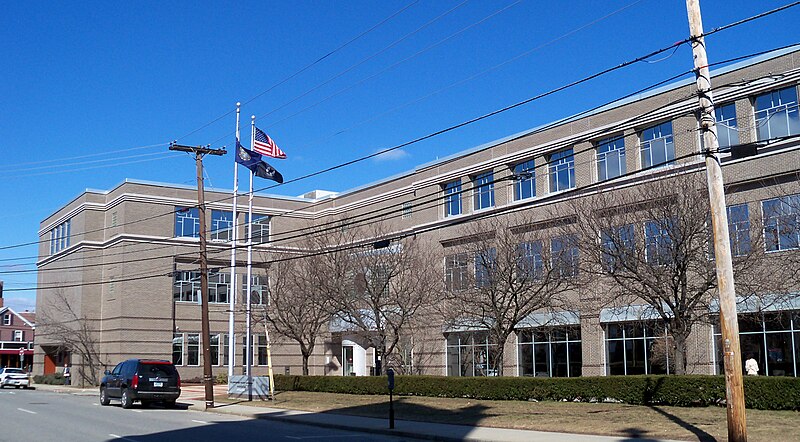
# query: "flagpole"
232,294
250,269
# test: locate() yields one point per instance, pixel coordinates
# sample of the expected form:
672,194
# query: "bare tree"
502,271
62,323
651,244
390,284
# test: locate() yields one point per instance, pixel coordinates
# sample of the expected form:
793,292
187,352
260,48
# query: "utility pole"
199,151
729,324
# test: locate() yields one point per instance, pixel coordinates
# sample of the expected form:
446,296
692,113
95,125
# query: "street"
47,416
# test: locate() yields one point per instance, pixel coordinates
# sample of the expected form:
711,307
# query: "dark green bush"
766,393
50,379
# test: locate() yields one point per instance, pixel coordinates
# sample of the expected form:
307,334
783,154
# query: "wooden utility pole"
199,151
729,324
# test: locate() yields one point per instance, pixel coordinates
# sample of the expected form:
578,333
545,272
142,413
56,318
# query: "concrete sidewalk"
403,428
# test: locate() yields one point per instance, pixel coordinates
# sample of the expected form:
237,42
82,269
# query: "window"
114,219
406,210
483,191
550,351
452,198
531,264
455,272
60,237
776,114
739,229
656,145
258,290
187,222
782,223
470,354
524,180
221,225
610,158
771,338
658,242
260,228
484,267
214,343
638,348
564,251
177,348
7,319
261,350
193,349
562,170
618,247
727,133
187,285
19,335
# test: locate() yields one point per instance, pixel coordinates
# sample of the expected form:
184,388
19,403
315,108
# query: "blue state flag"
253,161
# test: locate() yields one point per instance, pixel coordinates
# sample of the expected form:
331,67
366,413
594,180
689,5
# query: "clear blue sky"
83,83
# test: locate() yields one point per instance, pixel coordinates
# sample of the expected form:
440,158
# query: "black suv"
144,380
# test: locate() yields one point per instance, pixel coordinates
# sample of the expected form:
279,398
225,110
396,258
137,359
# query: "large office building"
125,259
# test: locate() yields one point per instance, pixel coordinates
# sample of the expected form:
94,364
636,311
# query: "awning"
15,352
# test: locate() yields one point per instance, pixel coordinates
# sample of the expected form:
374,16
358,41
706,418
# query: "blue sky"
93,92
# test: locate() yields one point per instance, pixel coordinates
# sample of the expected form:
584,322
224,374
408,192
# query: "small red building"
16,337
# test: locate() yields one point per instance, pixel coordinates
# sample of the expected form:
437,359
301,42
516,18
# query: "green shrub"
766,393
49,379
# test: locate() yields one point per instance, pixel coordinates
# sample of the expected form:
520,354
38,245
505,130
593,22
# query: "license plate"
158,384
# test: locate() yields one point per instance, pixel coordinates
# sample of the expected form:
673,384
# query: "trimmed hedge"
49,379
764,393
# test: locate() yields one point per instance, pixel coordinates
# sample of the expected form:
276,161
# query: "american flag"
265,146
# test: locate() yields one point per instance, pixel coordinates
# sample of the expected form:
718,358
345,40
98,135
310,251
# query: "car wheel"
104,400
127,401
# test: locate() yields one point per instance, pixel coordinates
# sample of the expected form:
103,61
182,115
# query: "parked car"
143,380
14,377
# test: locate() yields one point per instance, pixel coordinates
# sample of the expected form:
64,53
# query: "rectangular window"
776,114
656,145
218,287
524,180
260,228
550,351
470,354
618,247
114,219
192,348
221,225
187,222
177,348
484,267
638,348
455,272
483,191
186,286
782,223
60,237
610,158
214,343
531,264
406,210
727,133
564,251
19,335
739,229
452,198
658,241
258,290
261,350
562,170
7,319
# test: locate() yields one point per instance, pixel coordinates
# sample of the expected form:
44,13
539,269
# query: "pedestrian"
67,375
751,366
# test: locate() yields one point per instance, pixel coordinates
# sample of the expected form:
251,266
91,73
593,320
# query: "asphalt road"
30,415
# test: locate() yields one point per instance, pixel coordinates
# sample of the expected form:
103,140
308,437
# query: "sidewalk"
192,395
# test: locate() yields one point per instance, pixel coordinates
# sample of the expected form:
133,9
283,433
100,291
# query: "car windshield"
160,370
14,371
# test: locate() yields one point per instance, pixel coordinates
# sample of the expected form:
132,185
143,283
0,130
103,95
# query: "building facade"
16,336
125,260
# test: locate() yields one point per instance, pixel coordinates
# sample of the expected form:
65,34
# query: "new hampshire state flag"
259,167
